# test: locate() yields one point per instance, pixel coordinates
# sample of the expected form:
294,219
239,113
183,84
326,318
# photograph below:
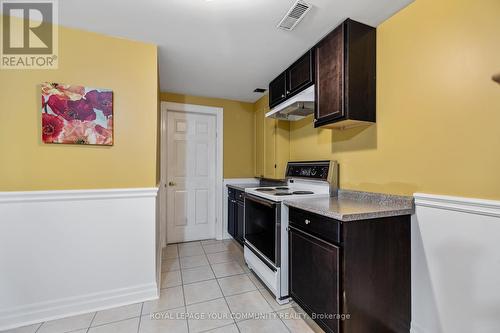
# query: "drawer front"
317,225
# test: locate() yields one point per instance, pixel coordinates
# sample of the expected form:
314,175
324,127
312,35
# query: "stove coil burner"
282,193
265,189
282,188
303,192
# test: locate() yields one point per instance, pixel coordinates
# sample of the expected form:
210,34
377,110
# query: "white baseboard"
455,264
417,329
69,252
72,306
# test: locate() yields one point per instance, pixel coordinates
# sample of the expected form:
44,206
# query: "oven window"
260,227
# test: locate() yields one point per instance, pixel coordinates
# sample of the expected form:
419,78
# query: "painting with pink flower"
74,114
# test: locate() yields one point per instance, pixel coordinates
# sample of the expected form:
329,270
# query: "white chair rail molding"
64,253
455,265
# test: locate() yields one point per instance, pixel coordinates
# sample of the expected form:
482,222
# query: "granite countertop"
263,182
355,205
242,187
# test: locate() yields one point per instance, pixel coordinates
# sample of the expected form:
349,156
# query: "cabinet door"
240,220
314,276
300,75
277,90
231,217
329,88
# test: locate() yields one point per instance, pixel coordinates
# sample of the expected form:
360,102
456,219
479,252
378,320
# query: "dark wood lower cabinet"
307,253
235,214
231,213
240,221
360,283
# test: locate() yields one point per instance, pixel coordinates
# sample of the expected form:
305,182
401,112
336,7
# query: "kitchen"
300,166
283,227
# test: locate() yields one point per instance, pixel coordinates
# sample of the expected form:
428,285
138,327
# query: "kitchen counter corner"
355,205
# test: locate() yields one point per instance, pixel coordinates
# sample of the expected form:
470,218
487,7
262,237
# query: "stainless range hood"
295,108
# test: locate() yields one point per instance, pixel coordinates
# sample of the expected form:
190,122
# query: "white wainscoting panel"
455,265
68,252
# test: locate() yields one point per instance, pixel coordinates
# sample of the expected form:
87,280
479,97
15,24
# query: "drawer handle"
307,221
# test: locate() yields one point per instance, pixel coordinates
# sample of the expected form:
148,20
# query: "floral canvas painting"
74,114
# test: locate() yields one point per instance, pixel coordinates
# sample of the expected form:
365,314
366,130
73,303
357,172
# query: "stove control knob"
307,221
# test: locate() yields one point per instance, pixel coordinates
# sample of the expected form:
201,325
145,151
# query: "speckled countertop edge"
386,205
242,187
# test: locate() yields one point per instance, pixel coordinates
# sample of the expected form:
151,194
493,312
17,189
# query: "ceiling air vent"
294,15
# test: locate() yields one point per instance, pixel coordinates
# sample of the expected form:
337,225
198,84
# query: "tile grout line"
183,293
257,289
261,291
276,311
224,297
217,328
140,318
236,323
92,321
39,326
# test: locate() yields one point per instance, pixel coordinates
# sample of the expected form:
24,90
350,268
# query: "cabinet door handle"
282,95
287,92
307,221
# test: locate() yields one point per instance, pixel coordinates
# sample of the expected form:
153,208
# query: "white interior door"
191,173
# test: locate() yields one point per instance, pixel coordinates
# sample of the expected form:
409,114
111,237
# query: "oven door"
262,228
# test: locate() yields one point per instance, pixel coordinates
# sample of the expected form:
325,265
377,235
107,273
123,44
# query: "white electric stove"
266,220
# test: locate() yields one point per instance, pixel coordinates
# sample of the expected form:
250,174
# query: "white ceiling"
220,48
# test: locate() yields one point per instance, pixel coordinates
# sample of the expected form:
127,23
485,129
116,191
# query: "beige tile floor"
205,287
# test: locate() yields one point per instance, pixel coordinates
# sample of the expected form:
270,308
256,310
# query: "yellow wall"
438,111
130,70
272,142
239,155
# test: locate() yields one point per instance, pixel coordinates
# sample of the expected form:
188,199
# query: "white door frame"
219,152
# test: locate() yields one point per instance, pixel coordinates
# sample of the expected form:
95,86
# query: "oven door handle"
260,201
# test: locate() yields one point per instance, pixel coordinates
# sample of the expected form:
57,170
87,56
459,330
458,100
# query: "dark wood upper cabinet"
277,90
345,75
300,75
293,80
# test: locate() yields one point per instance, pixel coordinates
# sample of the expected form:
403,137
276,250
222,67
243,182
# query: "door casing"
219,177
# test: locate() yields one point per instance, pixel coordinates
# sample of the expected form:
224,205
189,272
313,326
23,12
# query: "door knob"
171,184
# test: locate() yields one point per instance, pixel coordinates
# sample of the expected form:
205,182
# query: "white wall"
455,265
69,252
